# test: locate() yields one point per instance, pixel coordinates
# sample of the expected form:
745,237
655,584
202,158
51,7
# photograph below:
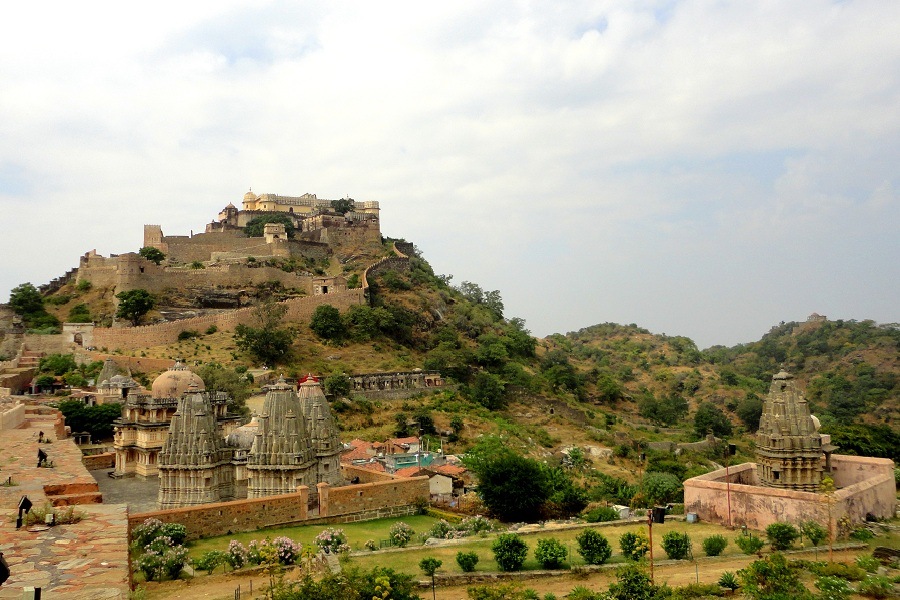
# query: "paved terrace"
81,561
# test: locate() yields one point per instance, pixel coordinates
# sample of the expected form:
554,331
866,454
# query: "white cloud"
692,166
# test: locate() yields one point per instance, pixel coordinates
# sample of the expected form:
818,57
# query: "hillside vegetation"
607,385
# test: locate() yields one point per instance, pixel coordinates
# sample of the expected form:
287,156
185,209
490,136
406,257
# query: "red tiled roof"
449,470
408,472
372,466
406,440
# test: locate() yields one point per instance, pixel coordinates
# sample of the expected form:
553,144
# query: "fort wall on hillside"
298,309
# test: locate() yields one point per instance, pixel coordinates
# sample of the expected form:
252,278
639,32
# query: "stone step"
75,499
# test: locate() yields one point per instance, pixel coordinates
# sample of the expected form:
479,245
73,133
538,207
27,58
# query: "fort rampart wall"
299,309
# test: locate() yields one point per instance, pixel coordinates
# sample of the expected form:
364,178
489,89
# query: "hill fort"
315,251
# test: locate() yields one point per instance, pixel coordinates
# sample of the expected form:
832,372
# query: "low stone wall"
106,460
12,416
17,382
389,493
384,496
871,490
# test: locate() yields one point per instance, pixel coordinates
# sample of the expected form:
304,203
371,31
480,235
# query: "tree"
326,323
256,226
25,300
710,419
781,535
510,551
220,379
749,410
343,206
634,544
268,342
772,579
152,254
487,390
466,561
511,486
593,547
134,304
79,314
337,384
714,545
429,566
661,488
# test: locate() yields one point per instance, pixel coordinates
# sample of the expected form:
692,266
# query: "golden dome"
175,382
249,196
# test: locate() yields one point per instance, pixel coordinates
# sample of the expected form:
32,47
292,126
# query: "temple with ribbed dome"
293,442
140,432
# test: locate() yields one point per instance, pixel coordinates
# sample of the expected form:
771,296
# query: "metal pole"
650,530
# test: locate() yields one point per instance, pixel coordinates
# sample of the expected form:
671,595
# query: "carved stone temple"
789,449
281,457
293,442
194,463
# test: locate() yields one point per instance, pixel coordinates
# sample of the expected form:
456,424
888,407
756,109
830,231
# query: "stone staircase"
30,359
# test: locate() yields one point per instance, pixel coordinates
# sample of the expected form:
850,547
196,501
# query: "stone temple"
784,484
789,449
293,442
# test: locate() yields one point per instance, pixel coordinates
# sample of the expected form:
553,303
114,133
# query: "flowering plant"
237,554
371,545
332,541
400,534
287,551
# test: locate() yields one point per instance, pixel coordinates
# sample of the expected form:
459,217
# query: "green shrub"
714,545
868,563
634,544
676,545
211,330
861,534
876,586
833,588
83,285
782,535
842,570
510,551
187,335
813,532
749,544
601,514
210,561
550,553
593,547
580,592
467,561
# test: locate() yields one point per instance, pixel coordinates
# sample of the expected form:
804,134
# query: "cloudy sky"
701,168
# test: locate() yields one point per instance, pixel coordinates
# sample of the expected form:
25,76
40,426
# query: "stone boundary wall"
400,394
134,363
106,460
374,496
13,363
384,496
299,309
19,382
48,344
758,507
12,416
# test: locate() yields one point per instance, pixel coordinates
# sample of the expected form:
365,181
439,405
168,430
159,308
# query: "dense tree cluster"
27,302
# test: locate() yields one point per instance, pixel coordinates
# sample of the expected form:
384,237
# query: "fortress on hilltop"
223,268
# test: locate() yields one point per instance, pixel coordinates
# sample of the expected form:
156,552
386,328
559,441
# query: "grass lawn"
408,561
357,533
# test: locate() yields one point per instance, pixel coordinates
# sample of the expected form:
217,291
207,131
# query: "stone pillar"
303,502
323,498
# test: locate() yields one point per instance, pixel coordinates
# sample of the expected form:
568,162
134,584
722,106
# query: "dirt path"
222,587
